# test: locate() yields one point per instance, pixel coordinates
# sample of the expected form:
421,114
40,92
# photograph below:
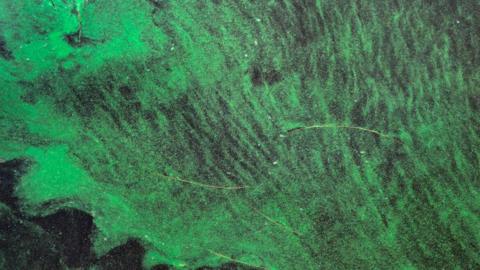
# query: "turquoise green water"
274,134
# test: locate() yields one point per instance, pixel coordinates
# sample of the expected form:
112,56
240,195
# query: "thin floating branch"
285,227
338,126
234,260
175,178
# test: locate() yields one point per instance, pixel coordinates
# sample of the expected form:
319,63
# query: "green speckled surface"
268,134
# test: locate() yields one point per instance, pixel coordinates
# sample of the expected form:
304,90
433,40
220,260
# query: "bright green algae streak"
168,122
